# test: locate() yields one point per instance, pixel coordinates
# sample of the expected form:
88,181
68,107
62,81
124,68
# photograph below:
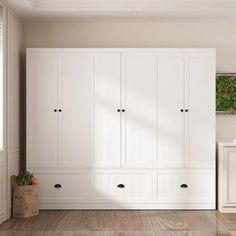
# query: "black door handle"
183,185
121,186
182,110
123,110
55,110
59,110
186,110
118,110
57,186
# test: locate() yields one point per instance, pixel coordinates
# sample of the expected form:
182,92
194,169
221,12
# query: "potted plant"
25,195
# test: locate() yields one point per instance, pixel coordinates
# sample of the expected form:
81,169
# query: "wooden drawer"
120,187
185,188
63,188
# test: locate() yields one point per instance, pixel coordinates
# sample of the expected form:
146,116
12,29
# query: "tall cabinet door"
42,78
170,120
139,88
76,110
200,113
107,105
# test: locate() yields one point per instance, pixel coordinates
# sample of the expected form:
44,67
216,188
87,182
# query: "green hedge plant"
226,92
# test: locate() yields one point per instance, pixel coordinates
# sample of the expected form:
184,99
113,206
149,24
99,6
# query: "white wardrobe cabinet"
122,128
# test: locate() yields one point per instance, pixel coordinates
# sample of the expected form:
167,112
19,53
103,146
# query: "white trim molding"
143,5
15,38
4,164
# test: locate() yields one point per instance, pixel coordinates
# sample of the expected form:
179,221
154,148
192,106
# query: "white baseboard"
9,211
188,206
80,206
227,209
3,216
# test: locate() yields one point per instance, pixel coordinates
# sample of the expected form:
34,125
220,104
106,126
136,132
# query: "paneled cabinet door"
200,110
227,165
139,87
170,99
107,110
76,110
42,77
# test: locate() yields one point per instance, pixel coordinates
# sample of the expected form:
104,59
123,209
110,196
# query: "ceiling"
161,10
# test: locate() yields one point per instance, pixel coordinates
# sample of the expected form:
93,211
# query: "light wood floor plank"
122,223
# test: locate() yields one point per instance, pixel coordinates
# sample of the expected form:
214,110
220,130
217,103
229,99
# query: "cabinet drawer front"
185,188
122,187
71,188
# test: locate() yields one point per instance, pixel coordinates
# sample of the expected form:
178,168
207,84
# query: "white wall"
15,101
221,36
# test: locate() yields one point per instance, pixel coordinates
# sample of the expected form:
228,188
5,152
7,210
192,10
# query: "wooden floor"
122,223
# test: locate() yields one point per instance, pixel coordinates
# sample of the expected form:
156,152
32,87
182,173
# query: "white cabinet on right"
226,177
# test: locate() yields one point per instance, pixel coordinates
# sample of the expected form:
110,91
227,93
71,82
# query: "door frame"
4,211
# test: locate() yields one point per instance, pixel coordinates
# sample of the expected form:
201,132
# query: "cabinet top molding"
123,50
227,144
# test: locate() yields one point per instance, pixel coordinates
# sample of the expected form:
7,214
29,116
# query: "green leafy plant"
226,92
24,178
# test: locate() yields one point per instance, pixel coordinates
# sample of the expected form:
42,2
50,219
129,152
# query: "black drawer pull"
57,186
183,185
120,186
